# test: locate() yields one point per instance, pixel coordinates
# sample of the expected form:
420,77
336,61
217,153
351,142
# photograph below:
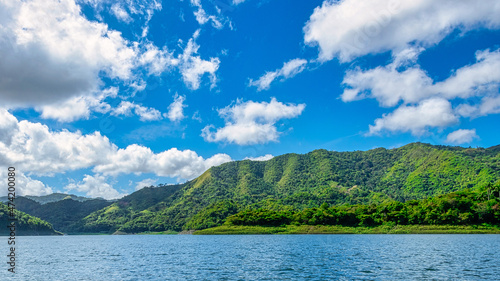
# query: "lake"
255,257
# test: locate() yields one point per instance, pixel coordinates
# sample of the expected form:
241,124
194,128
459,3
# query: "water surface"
256,257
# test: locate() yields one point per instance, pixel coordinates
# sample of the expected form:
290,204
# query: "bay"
255,257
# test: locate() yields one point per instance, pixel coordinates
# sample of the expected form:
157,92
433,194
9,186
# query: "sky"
100,98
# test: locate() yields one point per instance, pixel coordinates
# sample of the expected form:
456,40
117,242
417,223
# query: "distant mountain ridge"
62,214
54,197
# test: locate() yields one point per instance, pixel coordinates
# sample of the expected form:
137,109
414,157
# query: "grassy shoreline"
334,229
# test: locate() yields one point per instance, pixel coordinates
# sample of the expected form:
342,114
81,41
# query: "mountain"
296,182
54,197
62,214
142,203
25,224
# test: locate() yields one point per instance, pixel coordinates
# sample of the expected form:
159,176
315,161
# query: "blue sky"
100,98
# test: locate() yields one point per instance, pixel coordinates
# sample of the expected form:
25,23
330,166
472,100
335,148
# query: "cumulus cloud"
488,105
95,186
251,122
474,86
176,109
157,60
348,29
193,67
145,183
126,108
389,85
260,158
51,53
25,185
78,107
478,79
185,164
33,148
289,69
430,113
54,58
461,136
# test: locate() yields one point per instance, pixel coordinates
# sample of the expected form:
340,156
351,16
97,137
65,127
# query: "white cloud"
145,8
145,113
78,107
53,57
81,107
477,79
402,80
430,113
488,105
145,183
33,148
237,2
347,29
120,13
175,109
25,185
157,61
202,17
196,116
461,136
138,159
95,186
251,122
289,69
51,53
193,67
260,158
8,124
389,85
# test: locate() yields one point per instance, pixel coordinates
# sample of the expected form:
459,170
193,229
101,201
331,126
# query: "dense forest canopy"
25,224
294,182
294,187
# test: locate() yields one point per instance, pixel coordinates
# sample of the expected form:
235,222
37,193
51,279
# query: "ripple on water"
259,257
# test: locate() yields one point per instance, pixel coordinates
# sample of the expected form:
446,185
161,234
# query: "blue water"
255,257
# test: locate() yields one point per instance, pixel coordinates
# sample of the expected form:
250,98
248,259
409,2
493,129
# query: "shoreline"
334,229
313,229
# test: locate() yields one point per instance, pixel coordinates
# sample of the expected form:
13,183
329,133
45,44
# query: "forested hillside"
464,207
62,214
295,182
25,224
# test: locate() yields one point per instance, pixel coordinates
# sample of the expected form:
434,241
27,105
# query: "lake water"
255,257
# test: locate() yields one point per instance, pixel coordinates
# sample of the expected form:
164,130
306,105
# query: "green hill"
295,182
62,214
25,224
136,207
